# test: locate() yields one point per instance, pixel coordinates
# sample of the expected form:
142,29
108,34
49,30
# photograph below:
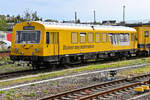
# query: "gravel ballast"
36,91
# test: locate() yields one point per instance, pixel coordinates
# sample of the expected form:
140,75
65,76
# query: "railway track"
22,73
106,94
14,74
99,91
3,54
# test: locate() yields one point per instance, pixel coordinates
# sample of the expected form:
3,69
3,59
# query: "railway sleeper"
71,96
83,93
65,98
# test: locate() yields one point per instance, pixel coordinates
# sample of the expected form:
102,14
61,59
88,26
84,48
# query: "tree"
41,19
27,15
31,16
35,16
18,18
78,21
50,20
3,23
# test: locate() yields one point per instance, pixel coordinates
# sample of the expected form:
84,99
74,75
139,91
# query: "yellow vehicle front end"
143,39
27,42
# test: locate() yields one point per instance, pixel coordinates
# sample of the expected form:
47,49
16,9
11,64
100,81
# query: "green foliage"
50,20
8,93
45,91
32,94
31,15
3,23
136,71
2,92
32,84
16,95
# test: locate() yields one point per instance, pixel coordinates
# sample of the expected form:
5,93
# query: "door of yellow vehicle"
55,36
133,40
52,44
146,36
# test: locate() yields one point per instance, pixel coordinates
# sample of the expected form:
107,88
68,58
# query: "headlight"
36,49
16,49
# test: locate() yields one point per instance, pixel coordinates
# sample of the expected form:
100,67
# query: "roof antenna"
92,27
28,23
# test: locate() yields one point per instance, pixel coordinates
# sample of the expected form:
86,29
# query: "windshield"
27,37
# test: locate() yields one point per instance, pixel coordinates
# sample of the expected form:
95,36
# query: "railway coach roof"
84,26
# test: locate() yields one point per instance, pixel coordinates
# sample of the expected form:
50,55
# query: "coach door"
133,40
54,43
146,33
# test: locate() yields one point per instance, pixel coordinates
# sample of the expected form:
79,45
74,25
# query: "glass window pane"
82,37
90,37
104,37
146,33
97,37
27,37
74,37
47,37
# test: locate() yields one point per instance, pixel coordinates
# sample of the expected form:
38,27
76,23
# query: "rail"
111,91
78,93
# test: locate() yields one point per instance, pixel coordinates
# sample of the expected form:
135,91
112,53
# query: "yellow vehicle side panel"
64,45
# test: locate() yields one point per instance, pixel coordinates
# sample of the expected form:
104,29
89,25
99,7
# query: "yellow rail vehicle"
43,42
143,39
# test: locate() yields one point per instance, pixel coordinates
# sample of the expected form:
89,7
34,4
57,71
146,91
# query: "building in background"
9,37
6,35
109,22
5,40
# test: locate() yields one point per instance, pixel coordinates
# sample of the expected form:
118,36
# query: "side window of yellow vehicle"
110,38
74,37
83,37
146,33
135,37
104,37
90,37
97,37
47,38
126,37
